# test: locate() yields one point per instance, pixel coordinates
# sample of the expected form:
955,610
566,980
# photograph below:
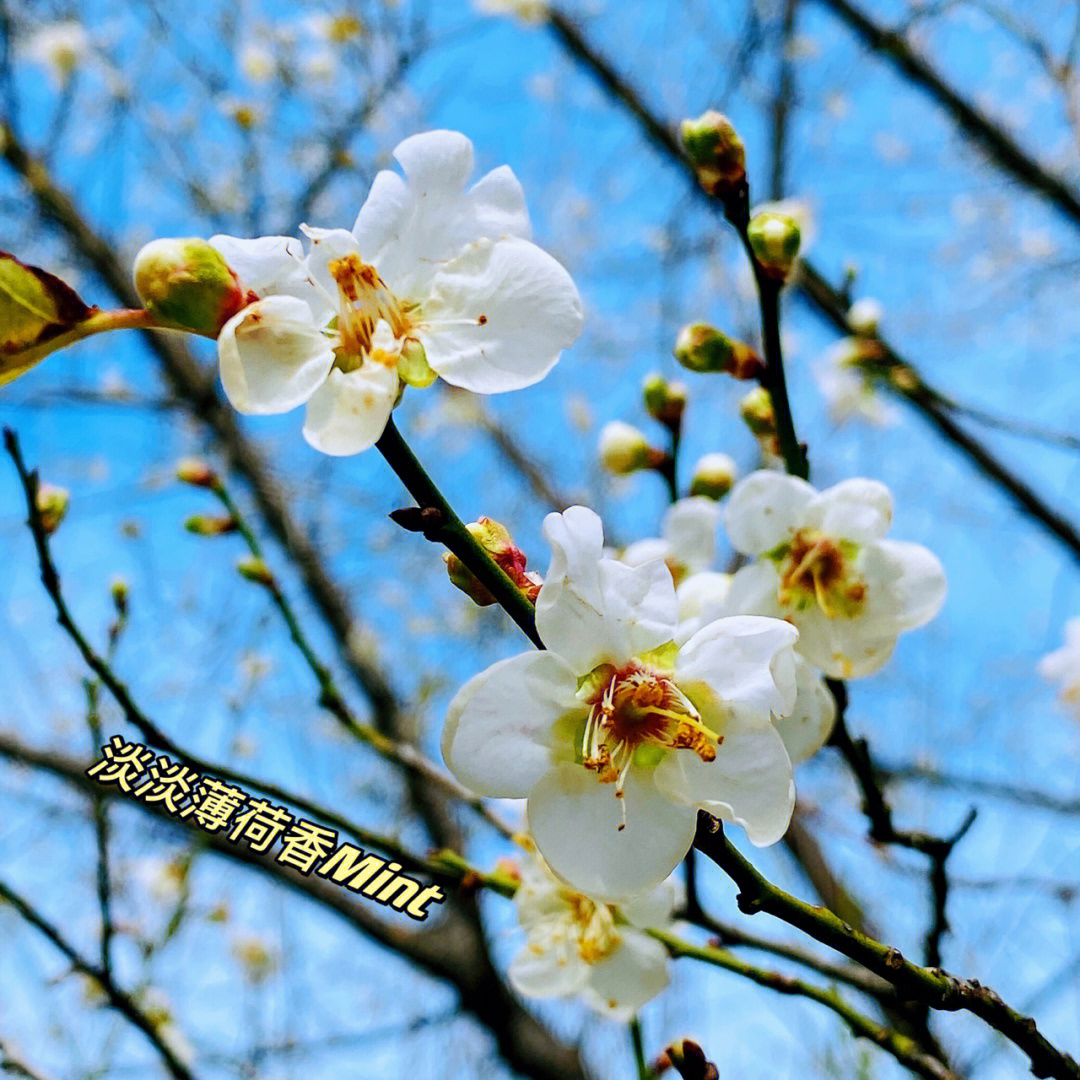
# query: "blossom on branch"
577,945
1063,666
822,564
435,279
617,734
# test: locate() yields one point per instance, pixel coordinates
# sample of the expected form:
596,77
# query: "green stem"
449,530
637,1041
100,322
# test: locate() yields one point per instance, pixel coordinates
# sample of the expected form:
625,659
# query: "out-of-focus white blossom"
1062,666
61,47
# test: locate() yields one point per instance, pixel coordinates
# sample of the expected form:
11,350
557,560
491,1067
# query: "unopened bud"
664,401
863,317
187,283
715,150
496,540
624,449
508,868
196,472
756,409
700,347
714,475
210,524
118,590
255,570
52,504
689,1061
774,239
413,368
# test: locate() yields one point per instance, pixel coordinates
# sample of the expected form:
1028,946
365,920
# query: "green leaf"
35,306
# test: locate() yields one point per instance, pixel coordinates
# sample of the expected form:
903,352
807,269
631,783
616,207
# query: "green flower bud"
774,239
756,409
713,476
413,368
119,591
187,283
196,472
210,524
624,449
255,570
52,504
715,150
664,401
703,348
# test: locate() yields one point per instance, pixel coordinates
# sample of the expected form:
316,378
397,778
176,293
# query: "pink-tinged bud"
495,539
187,284
210,524
702,348
714,475
255,570
774,239
508,868
52,504
664,401
715,150
196,472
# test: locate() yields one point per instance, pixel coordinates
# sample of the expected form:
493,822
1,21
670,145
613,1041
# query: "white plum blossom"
849,391
1063,666
687,541
864,316
434,279
821,563
577,945
61,47
616,734
703,598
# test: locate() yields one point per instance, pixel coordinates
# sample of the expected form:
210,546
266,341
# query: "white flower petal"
269,266
765,509
749,783
652,910
754,590
810,724
436,161
642,551
701,600
905,585
689,526
858,510
590,609
498,316
498,738
326,245
540,972
575,820
273,356
842,648
620,984
745,660
348,413
496,208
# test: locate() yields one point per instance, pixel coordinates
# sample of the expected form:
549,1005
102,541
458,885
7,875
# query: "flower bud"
52,504
714,475
774,240
413,368
255,570
118,590
495,539
187,283
715,150
700,347
863,317
210,524
664,401
624,449
689,1061
196,472
756,409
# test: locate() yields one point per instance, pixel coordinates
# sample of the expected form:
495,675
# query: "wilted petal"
765,509
746,661
498,738
273,356
349,411
591,609
575,821
859,510
499,316
622,983
749,783
808,727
